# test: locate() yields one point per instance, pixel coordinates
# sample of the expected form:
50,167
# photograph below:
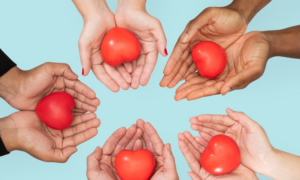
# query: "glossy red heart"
120,45
210,59
55,110
221,156
135,165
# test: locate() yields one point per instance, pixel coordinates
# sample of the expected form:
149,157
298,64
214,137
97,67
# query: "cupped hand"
165,161
96,25
151,36
192,148
222,25
25,132
251,138
47,78
246,62
101,163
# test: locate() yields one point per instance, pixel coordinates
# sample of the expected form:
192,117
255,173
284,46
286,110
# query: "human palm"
221,25
246,62
48,78
151,36
29,134
251,138
192,149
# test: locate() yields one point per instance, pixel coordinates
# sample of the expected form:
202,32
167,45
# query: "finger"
243,119
154,138
102,76
168,78
60,69
79,128
111,143
138,145
222,120
209,131
194,176
125,140
215,127
195,147
197,80
206,91
85,52
147,143
93,102
192,161
93,160
128,66
137,72
205,136
82,137
151,59
192,69
194,151
125,74
80,88
182,72
84,106
83,118
160,37
138,135
63,155
242,79
202,142
116,76
196,74
169,160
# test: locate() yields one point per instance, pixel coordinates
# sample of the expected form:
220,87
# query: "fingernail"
227,90
166,51
230,110
185,37
82,71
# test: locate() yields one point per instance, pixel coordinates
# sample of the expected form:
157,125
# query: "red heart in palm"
135,165
221,156
120,45
55,110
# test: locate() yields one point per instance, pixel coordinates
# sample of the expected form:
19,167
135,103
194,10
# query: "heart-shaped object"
55,110
118,46
221,156
210,59
135,165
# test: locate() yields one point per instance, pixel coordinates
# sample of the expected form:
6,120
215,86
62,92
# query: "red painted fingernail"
82,71
166,51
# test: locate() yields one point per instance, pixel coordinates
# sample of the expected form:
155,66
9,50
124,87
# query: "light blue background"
33,32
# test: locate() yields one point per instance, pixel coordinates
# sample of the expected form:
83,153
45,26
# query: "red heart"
55,110
221,156
118,46
135,165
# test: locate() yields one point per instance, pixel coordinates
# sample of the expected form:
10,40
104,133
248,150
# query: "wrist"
248,9
9,83
7,134
132,4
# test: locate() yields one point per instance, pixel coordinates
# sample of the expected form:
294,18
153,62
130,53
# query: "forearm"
285,42
9,83
90,8
282,166
248,8
7,134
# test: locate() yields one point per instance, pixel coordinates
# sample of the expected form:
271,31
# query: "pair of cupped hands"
247,53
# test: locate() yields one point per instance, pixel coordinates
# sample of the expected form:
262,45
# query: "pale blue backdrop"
33,32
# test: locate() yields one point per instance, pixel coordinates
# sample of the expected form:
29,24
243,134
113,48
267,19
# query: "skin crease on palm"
140,135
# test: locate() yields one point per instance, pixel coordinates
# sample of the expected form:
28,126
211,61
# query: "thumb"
60,69
169,160
194,176
85,52
93,159
160,38
242,118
